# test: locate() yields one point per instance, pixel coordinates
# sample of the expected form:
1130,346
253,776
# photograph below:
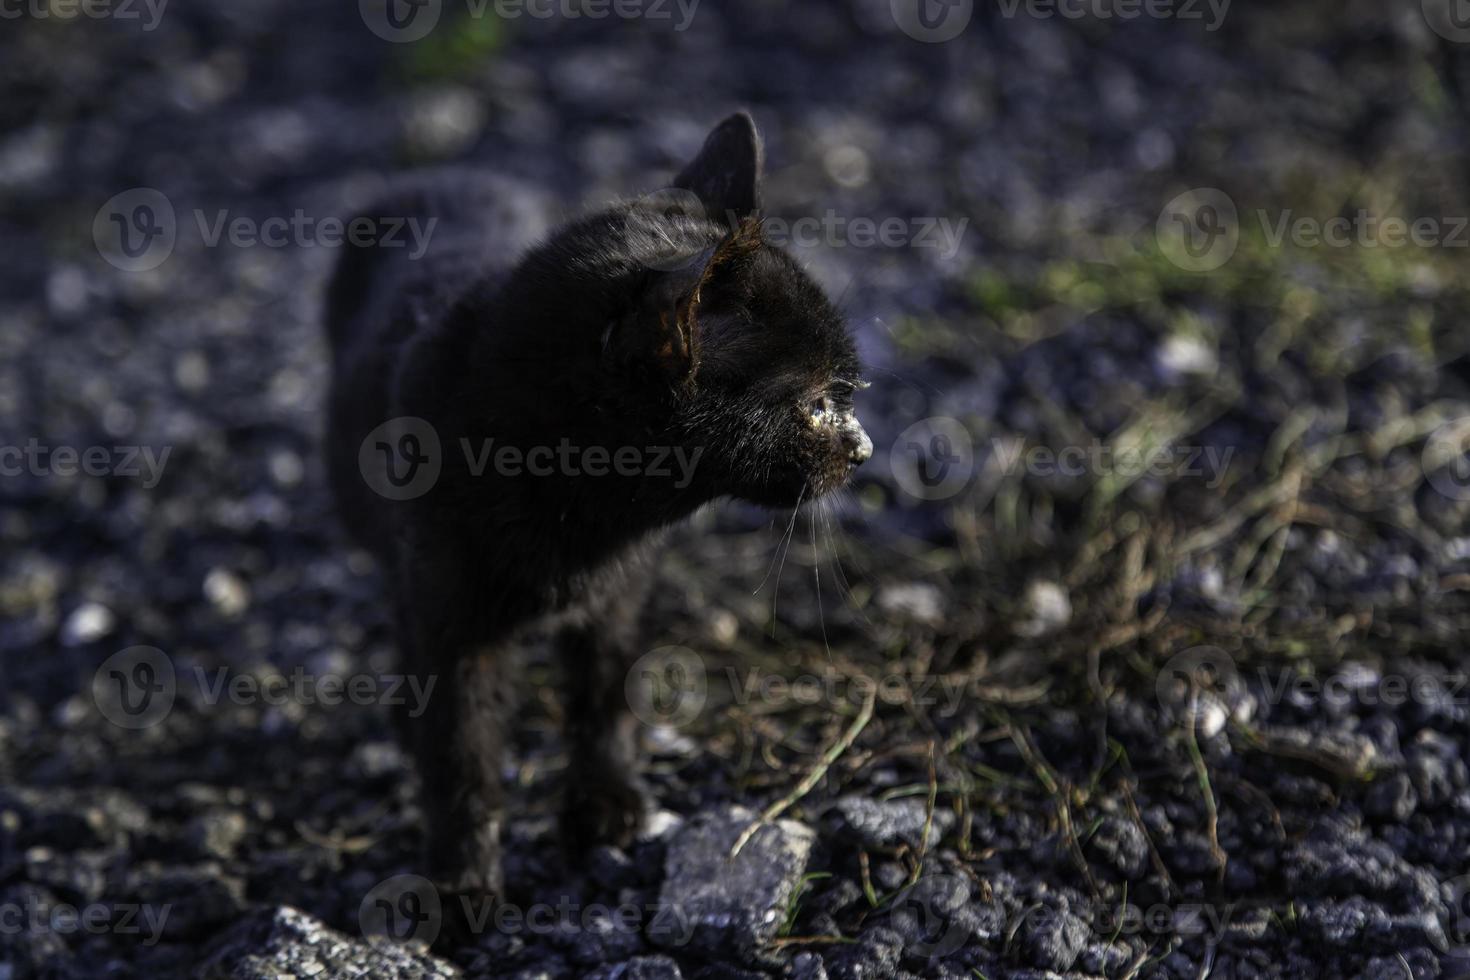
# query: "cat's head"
758,363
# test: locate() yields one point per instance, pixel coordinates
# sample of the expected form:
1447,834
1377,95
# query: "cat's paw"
466,915
465,897
604,811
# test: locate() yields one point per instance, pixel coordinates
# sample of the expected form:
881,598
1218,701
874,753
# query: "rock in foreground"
286,942
713,906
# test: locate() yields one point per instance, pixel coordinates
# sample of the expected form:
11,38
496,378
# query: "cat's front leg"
457,732
606,801
459,743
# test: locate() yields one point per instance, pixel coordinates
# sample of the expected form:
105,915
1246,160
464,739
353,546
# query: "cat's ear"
726,175
671,322
660,332
665,327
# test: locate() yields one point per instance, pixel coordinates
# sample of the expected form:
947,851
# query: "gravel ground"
1003,713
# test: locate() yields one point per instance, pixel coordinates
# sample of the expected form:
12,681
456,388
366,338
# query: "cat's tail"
427,236
370,265
347,292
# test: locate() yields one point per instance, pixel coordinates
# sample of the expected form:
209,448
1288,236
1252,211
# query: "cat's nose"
859,446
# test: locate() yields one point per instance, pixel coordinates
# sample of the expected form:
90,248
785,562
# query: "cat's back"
433,236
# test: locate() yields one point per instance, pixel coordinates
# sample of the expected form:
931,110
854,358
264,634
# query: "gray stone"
876,956
284,942
1391,799
883,826
1054,939
1120,843
216,834
717,906
640,968
808,966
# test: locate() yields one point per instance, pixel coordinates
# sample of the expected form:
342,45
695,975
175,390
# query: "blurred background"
1163,309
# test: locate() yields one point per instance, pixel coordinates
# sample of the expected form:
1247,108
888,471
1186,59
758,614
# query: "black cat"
549,418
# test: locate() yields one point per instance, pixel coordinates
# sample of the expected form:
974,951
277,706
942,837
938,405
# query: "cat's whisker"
790,532
817,575
834,529
902,379
841,302
772,566
777,552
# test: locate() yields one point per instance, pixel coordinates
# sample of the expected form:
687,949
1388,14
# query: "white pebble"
226,591
88,623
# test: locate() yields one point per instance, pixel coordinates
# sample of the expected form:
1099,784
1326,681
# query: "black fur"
596,337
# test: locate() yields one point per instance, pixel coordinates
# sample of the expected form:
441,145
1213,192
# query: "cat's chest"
582,591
